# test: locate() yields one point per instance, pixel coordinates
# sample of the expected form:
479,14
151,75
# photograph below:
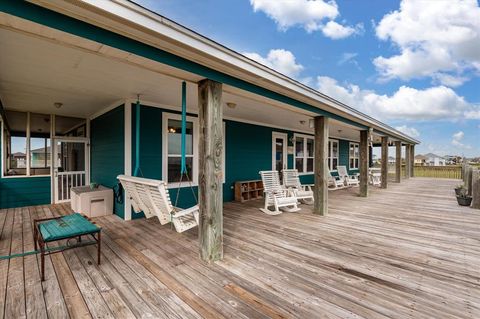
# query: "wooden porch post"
407,161
398,161
364,152
384,170
320,191
412,160
210,177
476,188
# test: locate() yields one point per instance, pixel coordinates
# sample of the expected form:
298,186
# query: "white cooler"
92,202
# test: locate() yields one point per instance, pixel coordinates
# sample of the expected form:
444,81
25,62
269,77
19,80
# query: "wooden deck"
405,252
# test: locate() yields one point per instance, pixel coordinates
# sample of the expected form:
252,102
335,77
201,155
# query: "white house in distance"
430,159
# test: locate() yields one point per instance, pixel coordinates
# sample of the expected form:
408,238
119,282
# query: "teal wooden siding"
25,191
107,150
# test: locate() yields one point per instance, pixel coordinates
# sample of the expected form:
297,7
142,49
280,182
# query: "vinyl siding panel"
107,150
24,191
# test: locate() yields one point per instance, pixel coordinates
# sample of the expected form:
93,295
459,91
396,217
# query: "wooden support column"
320,191
468,179
364,152
407,161
384,170
476,188
210,174
412,160
398,161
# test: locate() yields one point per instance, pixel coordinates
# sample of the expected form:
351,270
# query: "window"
40,149
354,152
332,155
172,143
304,153
15,137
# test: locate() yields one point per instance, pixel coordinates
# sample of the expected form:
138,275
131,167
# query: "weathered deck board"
408,251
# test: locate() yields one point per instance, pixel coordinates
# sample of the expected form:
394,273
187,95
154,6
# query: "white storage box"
92,202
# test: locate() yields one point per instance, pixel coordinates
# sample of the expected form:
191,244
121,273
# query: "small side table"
92,202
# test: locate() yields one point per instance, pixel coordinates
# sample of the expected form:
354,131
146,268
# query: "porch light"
57,105
302,122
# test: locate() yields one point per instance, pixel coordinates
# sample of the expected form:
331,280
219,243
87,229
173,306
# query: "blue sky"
413,64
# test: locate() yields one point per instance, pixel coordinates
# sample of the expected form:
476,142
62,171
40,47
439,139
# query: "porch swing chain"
183,165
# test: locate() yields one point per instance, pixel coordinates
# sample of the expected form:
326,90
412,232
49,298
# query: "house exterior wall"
107,150
248,150
24,191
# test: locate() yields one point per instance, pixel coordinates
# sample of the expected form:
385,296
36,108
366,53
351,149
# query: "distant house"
19,160
420,160
434,160
391,160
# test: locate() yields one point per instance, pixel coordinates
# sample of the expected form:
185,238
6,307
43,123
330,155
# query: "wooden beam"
412,160
364,152
384,170
476,188
320,191
210,174
407,161
398,161
468,179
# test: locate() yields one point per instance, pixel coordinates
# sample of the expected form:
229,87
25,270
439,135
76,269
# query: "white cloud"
335,30
435,103
410,131
457,140
438,39
280,60
308,14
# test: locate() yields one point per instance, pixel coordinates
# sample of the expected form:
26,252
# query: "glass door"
69,167
279,151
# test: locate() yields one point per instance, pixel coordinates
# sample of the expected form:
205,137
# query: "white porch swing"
151,196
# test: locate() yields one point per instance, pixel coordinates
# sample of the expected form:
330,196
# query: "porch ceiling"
88,77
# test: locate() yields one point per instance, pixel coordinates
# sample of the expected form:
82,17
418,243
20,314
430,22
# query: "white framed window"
304,153
354,155
171,150
172,137
332,155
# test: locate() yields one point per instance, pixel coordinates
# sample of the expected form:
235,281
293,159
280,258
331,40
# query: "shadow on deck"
408,251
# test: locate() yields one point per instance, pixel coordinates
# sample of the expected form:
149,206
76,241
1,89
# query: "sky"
412,64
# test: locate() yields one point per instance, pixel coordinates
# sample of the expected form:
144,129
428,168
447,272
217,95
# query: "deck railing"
453,172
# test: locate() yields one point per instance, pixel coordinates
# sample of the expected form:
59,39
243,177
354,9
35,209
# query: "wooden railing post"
384,170
320,191
476,188
412,160
210,230
364,163
468,179
398,161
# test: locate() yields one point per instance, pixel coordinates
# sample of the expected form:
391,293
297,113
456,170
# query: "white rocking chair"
276,195
291,181
151,197
335,181
351,180
375,177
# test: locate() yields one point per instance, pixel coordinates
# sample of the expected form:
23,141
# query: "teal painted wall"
107,150
24,191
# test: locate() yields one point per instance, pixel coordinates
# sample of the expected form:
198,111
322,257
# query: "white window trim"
195,165
305,137
330,160
353,157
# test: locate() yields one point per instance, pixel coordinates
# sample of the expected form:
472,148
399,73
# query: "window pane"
174,169
16,147
299,164
329,149
329,163
335,162
39,144
334,149
309,147
39,152
352,163
175,137
299,147
352,150
356,163
309,164
357,151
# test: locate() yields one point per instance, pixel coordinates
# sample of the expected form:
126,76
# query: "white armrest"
186,211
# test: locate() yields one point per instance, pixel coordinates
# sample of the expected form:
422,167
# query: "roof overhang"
135,22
